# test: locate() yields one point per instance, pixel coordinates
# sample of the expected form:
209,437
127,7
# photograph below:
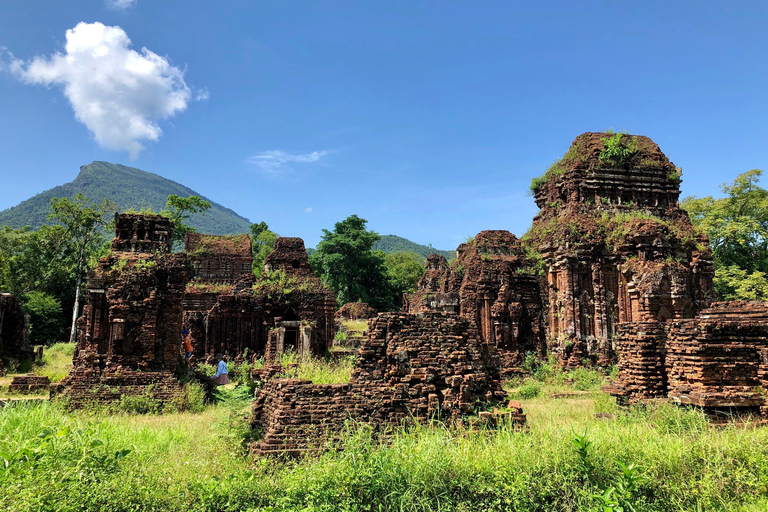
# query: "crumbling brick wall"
290,256
221,259
720,358
493,283
142,233
413,367
617,247
642,366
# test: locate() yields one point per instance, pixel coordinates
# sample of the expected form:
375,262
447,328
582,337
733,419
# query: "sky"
427,118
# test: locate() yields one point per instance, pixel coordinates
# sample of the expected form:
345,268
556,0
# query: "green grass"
188,462
56,460
356,325
57,361
317,370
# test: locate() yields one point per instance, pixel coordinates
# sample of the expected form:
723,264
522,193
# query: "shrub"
528,391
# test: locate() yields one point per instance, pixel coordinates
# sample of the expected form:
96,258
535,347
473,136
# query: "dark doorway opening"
291,340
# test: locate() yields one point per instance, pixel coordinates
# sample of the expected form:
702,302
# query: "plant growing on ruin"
179,209
618,149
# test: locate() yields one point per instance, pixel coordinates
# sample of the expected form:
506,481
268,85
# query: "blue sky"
428,118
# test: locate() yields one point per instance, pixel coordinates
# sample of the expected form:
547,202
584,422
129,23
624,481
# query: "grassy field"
56,363
55,460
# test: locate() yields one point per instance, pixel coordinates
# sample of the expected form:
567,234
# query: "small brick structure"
29,383
412,368
220,259
717,360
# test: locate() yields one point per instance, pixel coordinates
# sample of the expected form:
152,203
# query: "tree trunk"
76,308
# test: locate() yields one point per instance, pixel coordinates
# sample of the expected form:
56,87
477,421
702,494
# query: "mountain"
394,243
128,188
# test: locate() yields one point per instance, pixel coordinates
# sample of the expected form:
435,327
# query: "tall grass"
186,462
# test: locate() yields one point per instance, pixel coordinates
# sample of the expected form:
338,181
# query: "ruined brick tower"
493,283
128,334
616,245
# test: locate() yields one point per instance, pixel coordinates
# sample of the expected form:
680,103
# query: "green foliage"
57,361
130,189
734,283
392,243
737,228
179,209
45,317
262,243
618,149
403,270
185,463
318,370
350,268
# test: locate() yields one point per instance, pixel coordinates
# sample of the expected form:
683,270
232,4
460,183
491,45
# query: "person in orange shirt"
187,344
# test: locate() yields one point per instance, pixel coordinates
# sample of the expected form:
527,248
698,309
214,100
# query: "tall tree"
83,222
262,243
348,266
737,227
179,209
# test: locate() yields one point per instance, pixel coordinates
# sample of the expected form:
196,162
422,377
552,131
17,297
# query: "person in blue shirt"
222,376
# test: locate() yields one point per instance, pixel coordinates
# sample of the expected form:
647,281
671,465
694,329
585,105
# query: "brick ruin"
616,246
493,283
412,368
288,308
717,360
128,334
14,331
355,311
219,259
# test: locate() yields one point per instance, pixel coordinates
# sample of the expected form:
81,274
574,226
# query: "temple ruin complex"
612,271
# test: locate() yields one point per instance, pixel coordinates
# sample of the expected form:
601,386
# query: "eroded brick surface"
413,367
29,383
129,332
494,284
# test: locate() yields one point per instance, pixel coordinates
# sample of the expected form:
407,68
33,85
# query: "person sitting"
222,375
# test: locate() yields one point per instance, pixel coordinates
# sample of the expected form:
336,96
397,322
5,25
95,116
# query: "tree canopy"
179,209
737,227
348,266
262,243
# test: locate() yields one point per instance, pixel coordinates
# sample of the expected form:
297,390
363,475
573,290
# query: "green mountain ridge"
129,188
394,243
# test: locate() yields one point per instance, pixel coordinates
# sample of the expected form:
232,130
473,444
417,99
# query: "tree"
348,266
737,227
179,209
83,222
262,243
404,269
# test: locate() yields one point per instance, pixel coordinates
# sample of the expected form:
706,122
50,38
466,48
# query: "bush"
45,318
141,404
528,391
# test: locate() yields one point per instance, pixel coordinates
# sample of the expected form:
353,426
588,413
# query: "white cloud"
274,162
118,93
119,5
308,209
